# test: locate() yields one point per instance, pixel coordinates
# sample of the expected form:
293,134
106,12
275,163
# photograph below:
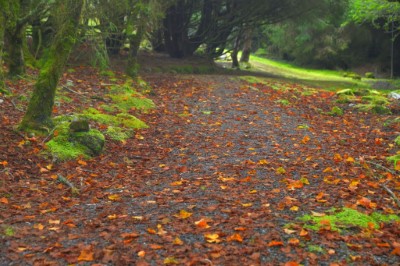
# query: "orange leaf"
212,238
305,140
275,243
178,241
4,163
337,158
4,200
114,197
383,245
235,237
202,224
183,214
396,251
294,241
151,231
291,263
86,254
81,162
303,232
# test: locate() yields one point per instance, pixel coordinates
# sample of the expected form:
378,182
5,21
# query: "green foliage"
346,218
283,102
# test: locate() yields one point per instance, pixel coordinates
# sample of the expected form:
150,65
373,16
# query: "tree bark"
2,26
38,114
16,62
247,42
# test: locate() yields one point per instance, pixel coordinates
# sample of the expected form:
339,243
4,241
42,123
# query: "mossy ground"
119,123
346,218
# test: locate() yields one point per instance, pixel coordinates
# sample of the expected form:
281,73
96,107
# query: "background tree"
38,114
382,14
3,8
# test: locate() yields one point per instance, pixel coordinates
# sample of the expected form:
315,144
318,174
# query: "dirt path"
219,178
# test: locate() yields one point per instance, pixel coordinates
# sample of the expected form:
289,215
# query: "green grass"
327,79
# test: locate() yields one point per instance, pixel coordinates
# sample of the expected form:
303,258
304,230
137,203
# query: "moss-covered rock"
91,141
79,125
369,75
67,145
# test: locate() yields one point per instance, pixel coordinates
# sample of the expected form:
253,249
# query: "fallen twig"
63,180
388,190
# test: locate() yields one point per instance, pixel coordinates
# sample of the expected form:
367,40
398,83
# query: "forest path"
219,178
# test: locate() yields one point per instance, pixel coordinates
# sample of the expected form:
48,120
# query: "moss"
394,159
126,102
346,218
397,140
336,111
373,108
315,248
283,102
107,73
119,134
92,141
68,146
8,231
369,75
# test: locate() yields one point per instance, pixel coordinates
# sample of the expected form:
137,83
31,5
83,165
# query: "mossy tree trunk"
132,67
38,114
2,26
16,62
247,42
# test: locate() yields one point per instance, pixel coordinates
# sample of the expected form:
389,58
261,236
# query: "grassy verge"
327,79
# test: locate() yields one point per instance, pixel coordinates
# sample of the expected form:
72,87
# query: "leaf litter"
220,177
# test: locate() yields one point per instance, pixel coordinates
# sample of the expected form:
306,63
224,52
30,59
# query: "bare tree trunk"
235,51
38,114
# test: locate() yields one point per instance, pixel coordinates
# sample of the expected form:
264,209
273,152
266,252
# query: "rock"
79,125
93,141
394,95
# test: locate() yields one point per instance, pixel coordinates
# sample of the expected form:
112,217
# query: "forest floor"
222,176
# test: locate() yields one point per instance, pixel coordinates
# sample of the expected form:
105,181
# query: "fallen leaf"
4,200
114,197
183,214
86,254
178,241
275,244
235,237
212,238
202,223
171,260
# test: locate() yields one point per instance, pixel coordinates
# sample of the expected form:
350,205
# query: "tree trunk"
2,26
247,42
38,114
134,45
235,51
16,62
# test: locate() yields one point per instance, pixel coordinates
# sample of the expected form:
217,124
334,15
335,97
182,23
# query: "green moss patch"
121,119
126,98
68,145
346,218
118,133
